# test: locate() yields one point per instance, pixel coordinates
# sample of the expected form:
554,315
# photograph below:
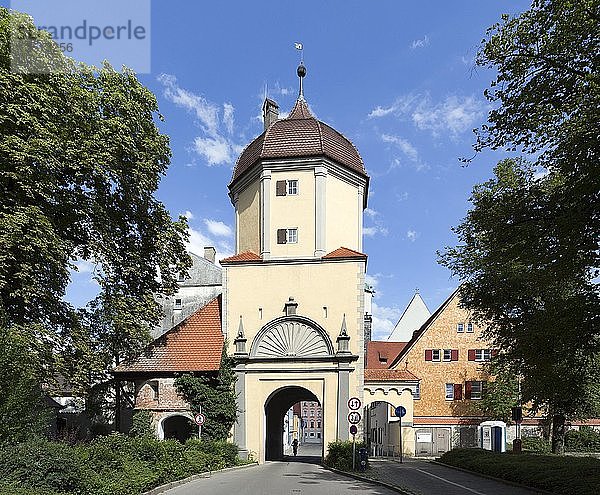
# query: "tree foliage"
529,247
214,394
81,158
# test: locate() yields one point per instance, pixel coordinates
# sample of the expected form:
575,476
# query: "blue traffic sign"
400,411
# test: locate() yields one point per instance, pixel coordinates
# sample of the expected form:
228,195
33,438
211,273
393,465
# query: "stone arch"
291,337
175,425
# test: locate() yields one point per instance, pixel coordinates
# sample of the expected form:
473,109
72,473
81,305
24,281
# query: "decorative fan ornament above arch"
291,337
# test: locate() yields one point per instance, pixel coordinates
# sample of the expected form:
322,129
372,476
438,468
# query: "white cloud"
84,266
228,117
199,240
403,145
215,144
371,213
216,150
188,214
218,228
455,115
384,321
422,43
371,231
412,235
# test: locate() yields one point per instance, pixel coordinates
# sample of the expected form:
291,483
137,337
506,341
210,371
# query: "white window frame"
180,277
178,303
482,355
469,327
449,391
476,394
460,328
439,355
449,352
291,235
292,187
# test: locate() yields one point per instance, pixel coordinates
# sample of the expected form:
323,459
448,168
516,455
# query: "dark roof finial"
301,74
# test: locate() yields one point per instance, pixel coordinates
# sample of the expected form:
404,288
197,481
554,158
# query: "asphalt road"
279,478
424,478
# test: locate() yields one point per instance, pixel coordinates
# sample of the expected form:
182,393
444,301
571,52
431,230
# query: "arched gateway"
293,294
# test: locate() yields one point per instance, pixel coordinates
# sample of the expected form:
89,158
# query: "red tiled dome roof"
299,135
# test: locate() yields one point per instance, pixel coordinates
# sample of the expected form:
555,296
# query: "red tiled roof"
242,257
299,135
381,354
195,344
343,253
374,375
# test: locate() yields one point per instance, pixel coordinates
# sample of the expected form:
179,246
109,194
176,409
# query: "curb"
173,484
369,480
502,480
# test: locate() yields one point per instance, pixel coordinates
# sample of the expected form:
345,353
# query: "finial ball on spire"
301,70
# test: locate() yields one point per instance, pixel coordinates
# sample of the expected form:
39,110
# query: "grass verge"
558,474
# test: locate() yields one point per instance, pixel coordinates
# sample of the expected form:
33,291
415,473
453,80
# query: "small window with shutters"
447,354
292,236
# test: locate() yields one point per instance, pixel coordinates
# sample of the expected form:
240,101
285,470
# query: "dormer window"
178,304
180,277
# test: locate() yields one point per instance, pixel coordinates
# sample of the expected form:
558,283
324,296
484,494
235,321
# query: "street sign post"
400,412
354,404
199,419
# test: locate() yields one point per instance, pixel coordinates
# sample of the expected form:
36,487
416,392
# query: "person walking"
295,446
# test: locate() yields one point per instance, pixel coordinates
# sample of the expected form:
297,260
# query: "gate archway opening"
178,427
276,408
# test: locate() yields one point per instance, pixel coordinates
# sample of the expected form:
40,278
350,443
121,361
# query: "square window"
292,187
178,304
292,236
483,354
435,354
447,354
460,327
449,391
180,277
470,327
476,390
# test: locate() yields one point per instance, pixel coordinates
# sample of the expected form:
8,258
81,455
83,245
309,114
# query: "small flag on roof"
298,46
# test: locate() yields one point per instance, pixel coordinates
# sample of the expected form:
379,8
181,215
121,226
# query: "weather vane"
300,47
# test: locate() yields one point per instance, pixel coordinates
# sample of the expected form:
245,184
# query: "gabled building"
412,318
444,356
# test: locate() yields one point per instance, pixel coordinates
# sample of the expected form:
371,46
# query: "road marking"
451,482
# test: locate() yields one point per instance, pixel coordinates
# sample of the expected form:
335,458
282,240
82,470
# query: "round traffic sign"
353,430
199,419
354,417
400,411
354,403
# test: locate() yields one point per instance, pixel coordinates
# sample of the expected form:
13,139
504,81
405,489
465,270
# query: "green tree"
213,393
80,160
539,305
501,395
529,252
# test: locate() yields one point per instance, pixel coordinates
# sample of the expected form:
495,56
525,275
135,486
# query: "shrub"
39,463
340,455
536,444
585,440
141,424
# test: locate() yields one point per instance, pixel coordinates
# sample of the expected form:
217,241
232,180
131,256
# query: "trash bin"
362,459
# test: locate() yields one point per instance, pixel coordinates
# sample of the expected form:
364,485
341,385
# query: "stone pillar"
342,401
320,211
265,214
361,193
239,433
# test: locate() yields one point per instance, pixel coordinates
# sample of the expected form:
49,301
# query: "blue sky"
397,78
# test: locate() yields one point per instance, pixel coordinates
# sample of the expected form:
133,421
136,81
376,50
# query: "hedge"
585,440
111,465
558,474
339,455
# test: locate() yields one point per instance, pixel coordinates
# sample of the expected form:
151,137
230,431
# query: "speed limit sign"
354,418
